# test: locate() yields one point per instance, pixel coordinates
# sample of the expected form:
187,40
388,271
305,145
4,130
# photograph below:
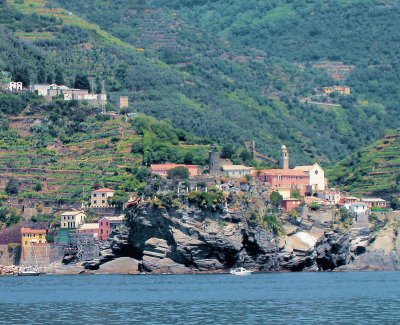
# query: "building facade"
72,219
375,202
290,203
29,236
285,180
316,177
108,224
89,228
330,197
236,171
99,198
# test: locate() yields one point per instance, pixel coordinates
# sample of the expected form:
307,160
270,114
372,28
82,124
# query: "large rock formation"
190,234
193,240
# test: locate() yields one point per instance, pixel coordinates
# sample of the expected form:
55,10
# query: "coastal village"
80,229
41,243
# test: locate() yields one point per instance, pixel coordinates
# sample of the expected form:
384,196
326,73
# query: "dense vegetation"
371,170
229,72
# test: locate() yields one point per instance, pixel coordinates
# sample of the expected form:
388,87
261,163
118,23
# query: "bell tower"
284,159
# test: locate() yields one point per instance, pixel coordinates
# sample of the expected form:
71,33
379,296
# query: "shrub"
179,172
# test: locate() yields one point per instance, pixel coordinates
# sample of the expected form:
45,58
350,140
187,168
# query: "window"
94,195
103,194
94,202
102,201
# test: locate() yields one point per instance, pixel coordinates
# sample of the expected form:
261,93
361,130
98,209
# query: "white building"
40,89
358,208
330,197
99,198
316,177
236,171
12,86
72,219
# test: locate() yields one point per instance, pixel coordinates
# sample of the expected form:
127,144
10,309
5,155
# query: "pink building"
162,169
108,224
285,179
374,202
289,204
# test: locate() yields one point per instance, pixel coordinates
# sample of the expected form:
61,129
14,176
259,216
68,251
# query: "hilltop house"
236,171
99,198
12,86
162,169
50,91
316,177
108,224
342,90
72,219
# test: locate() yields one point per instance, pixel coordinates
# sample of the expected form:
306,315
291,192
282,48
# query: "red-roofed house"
285,180
162,169
99,197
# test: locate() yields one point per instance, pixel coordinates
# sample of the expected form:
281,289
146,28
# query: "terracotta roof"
283,172
170,166
291,199
104,190
365,199
33,231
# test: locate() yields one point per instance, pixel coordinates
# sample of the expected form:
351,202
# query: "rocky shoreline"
190,240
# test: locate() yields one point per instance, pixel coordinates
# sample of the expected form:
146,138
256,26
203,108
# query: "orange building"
285,180
162,169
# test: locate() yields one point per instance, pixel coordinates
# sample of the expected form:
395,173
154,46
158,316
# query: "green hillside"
374,170
57,150
226,73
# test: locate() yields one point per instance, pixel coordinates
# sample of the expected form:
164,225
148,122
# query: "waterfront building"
72,219
99,198
108,224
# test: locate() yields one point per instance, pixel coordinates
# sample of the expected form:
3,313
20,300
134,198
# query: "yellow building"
342,90
99,198
37,236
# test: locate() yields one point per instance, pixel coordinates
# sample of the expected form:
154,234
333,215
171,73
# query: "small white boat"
28,271
240,271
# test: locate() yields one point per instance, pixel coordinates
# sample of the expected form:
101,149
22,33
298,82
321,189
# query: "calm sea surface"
290,298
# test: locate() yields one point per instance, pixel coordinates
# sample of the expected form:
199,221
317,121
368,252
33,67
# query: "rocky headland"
189,236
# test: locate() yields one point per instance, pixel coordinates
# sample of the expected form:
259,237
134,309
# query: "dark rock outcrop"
191,240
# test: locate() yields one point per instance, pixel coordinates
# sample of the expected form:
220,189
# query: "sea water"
278,298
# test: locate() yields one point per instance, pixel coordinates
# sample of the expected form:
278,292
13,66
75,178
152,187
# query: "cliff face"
193,240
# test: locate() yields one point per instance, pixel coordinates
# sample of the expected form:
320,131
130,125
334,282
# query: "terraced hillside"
173,66
48,164
372,170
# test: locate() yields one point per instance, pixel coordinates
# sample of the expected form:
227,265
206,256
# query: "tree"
118,199
227,151
12,186
276,199
59,80
82,82
179,172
